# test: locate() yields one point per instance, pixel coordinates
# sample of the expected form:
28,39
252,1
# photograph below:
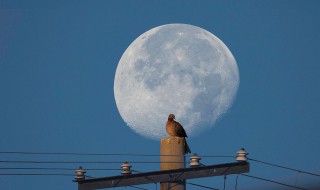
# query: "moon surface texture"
175,68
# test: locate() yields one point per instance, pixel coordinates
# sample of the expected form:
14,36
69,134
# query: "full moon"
175,68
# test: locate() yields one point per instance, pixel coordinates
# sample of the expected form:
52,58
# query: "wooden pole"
174,146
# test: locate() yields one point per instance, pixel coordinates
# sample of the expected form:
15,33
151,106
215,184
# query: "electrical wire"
81,162
104,154
145,155
271,181
236,185
50,174
284,167
89,177
206,187
81,154
169,187
295,183
66,169
33,174
136,171
118,162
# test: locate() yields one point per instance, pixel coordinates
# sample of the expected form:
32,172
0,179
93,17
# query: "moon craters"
175,68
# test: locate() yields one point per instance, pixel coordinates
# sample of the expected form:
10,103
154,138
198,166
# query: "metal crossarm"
163,176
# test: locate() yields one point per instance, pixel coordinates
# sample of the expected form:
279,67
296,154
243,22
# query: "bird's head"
171,117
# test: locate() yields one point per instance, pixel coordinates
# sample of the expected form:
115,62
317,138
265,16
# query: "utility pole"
172,156
172,166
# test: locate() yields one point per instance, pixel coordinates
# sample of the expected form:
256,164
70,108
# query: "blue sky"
57,66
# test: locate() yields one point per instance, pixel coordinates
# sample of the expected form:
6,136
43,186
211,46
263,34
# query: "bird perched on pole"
175,129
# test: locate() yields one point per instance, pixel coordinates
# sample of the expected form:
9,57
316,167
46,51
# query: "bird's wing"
182,132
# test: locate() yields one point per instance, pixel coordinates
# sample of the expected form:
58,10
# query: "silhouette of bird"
175,129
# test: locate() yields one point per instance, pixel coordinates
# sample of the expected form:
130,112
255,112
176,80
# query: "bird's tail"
187,148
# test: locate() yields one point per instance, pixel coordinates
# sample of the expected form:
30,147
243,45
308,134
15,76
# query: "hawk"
175,129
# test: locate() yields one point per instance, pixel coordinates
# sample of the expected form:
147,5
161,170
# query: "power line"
206,187
142,155
118,162
80,162
104,154
33,174
80,154
135,171
284,167
173,186
236,185
271,181
66,169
